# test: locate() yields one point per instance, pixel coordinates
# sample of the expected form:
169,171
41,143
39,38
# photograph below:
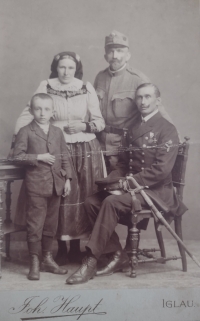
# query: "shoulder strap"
137,72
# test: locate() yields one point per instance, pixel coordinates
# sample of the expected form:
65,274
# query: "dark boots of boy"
48,264
74,254
34,272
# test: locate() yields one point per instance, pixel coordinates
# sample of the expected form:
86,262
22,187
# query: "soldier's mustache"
115,60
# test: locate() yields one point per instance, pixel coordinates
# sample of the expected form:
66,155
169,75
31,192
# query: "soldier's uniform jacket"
41,178
116,93
154,147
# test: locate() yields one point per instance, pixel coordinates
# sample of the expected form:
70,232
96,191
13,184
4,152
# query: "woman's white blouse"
80,108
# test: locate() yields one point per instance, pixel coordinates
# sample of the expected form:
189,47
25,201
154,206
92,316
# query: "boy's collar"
42,125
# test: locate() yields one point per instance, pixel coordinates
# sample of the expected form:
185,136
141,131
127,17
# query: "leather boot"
34,272
118,261
49,265
85,272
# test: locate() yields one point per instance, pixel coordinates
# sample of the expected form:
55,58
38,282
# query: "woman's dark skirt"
88,167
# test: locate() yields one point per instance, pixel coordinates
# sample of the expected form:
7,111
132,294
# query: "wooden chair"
178,177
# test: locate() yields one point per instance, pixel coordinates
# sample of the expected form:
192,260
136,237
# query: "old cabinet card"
164,45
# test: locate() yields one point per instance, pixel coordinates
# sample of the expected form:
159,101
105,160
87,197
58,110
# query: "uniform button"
130,145
142,160
142,153
131,137
130,153
144,145
131,160
146,138
142,168
130,167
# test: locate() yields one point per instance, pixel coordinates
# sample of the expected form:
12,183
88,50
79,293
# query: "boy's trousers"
42,216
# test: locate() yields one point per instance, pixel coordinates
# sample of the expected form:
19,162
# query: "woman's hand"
75,127
67,188
46,158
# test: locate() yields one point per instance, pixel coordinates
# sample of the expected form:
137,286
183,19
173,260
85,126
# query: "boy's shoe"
49,265
34,273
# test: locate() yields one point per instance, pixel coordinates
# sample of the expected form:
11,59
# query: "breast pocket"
122,104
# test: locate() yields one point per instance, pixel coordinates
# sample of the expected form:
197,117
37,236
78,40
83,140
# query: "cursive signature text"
38,308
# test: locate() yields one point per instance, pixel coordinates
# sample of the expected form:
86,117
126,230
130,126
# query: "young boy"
42,148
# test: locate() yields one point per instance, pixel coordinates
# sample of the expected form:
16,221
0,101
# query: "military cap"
116,38
112,181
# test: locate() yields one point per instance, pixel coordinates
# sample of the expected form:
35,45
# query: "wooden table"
8,174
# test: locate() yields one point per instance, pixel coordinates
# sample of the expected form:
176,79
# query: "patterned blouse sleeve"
96,122
26,118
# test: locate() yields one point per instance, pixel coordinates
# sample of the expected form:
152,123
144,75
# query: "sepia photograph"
99,160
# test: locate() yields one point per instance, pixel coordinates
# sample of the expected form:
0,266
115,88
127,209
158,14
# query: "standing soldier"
115,87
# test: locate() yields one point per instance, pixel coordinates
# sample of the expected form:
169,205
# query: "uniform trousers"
42,216
104,212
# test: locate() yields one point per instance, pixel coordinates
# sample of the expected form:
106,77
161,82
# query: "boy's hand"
46,158
67,188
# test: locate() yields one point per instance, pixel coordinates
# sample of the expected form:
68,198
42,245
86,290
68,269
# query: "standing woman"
77,113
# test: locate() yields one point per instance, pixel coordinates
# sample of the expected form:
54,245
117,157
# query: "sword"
159,216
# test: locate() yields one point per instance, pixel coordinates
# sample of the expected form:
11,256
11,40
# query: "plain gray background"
164,42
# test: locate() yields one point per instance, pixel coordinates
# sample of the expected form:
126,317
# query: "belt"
114,130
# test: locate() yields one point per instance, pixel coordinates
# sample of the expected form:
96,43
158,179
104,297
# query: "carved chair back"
179,169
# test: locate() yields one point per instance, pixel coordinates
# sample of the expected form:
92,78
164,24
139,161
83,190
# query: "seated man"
155,144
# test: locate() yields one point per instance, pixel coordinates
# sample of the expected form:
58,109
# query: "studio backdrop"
164,43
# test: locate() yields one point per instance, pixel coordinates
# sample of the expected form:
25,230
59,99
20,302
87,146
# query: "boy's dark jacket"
41,178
